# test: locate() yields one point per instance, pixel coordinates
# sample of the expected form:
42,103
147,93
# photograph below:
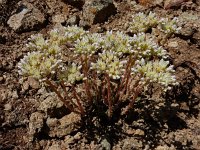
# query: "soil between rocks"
159,122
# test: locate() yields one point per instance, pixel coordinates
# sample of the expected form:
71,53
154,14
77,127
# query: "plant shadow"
157,118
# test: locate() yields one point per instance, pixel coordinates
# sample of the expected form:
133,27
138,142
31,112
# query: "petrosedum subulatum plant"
105,68
142,23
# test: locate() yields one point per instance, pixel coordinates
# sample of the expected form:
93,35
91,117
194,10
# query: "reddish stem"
95,84
78,99
105,98
85,72
54,88
125,78
66,95
137,92
109,95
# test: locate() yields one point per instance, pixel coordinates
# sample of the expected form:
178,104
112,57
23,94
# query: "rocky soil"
32,118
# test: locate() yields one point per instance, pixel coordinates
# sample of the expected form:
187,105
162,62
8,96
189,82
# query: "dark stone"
196,37
98,11
76,3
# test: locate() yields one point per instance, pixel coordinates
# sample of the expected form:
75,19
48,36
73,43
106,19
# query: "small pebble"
7,107
173,44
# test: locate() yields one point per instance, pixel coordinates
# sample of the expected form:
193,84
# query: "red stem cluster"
67,100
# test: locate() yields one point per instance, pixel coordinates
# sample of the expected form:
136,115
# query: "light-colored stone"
15,95
131,143
105,144
68,139
49,104
157,2
3,3
73,20
7,107
58,19
33,83
77,136
1,79
165,147
29,18
64,126
36,123
15,21
55,146
187,31
173,44
139,132
25,86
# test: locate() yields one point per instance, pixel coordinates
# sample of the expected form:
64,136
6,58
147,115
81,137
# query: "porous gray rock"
187,31
189,22
164,147
36,123
73,20
173,44
2,3
8,107
157,2
64,126
105,144
26,18
58,19
52,107
33,83
55,146
97,11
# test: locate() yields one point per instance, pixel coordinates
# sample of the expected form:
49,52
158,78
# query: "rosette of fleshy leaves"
158,71
71,73
62,35
88,44
74,33
142,22
108,62
57,37
38,65
146,47
37,42
50,46
117,42
169,26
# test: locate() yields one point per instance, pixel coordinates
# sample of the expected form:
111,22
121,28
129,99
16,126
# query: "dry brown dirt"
158,122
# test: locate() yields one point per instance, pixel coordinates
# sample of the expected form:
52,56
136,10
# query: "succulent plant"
38,65
169,26
88,44
109,63
142,22
105,65
71,73
158,71
146,47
